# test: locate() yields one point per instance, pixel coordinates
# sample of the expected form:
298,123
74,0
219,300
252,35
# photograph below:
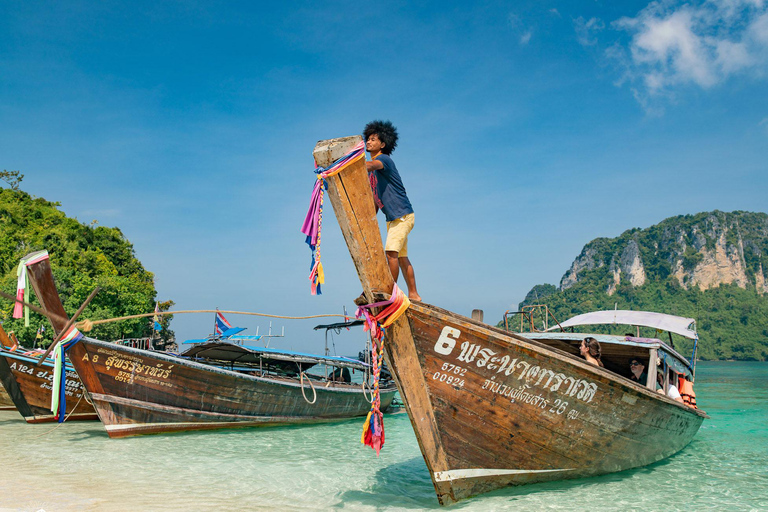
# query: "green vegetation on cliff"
82,258
709,266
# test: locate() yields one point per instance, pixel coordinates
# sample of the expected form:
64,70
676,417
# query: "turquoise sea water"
77,467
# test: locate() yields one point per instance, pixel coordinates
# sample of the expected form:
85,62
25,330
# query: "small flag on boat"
40,332
221,323
22,290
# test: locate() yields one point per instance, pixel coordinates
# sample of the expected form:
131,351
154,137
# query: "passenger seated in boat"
672,391
590,350
639,374
340,375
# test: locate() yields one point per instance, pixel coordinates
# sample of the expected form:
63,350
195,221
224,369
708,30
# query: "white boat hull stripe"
457,474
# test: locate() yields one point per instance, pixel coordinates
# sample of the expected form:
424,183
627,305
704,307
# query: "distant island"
82,258
710,266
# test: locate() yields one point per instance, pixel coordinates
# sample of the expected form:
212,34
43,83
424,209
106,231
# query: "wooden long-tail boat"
137,391
490,408
29,388
6,404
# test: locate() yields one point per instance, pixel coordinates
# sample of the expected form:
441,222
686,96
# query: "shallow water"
77,467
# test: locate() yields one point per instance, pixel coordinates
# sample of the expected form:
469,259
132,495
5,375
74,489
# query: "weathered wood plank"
352,199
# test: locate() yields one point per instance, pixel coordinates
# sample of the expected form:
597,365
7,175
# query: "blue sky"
526,130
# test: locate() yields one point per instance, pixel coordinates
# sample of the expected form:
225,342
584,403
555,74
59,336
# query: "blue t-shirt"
391,191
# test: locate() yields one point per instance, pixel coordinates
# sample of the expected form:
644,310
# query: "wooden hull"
29,388
139,392
504,411
489,408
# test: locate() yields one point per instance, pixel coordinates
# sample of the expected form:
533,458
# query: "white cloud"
555,12
731,8
673,51
585,30
700,43
758,30
518,26
731,57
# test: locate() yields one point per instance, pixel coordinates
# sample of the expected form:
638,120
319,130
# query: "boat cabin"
237,353
658,356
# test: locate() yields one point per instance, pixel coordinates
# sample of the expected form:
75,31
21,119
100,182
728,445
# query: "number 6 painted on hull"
447,340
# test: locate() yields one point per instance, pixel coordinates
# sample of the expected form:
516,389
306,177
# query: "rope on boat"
391,310
369,393
65,419
314,399
87,325
87,397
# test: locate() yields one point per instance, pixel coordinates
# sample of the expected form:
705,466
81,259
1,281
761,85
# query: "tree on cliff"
82,258
12,178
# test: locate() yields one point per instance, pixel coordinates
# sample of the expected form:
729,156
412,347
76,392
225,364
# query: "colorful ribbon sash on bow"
22,287
373,429
59,384
313,222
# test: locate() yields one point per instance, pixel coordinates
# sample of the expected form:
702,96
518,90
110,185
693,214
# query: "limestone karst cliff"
704,250
711,266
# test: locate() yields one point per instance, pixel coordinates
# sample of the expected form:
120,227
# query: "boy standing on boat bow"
389,194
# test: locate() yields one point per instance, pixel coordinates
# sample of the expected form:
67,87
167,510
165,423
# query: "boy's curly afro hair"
387,134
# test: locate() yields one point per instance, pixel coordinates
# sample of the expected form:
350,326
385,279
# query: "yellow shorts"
397,235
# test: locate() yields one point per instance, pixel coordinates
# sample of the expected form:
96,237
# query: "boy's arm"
373,165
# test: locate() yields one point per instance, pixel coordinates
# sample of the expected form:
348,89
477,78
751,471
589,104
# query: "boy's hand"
373,165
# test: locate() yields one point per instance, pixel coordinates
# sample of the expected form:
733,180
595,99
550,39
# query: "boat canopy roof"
224,351
683,326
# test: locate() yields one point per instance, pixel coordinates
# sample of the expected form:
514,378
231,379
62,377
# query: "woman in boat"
590,350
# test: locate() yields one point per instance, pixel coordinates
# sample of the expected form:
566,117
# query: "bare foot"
414,296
